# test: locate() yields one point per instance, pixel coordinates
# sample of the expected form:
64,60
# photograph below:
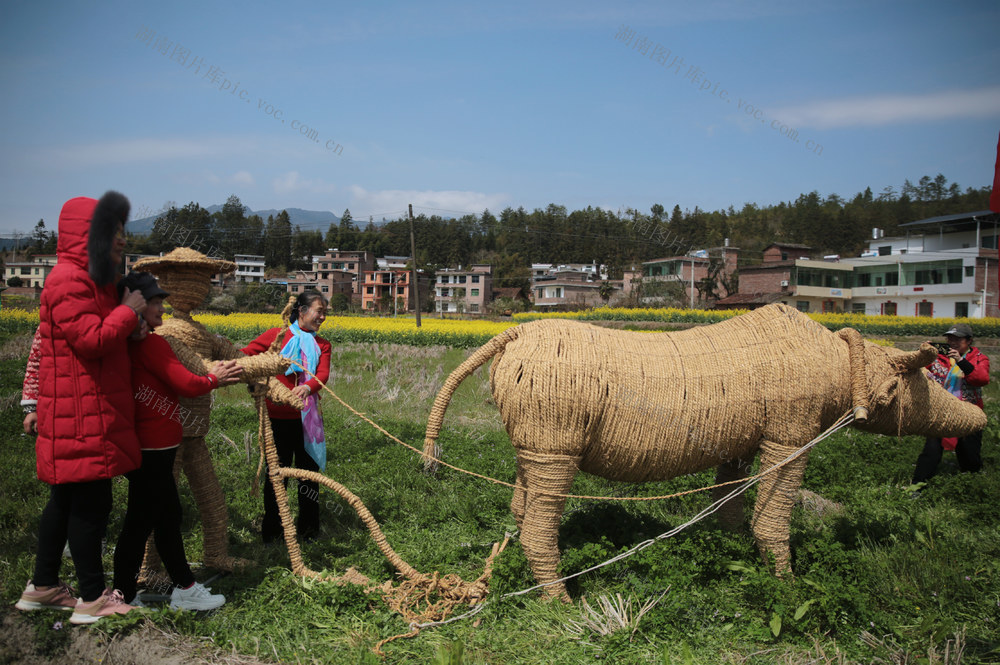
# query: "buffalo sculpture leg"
730,514
542,512
772,514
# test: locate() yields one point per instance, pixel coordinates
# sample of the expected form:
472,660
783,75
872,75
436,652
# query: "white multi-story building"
32,273
249,268
942,267
464,291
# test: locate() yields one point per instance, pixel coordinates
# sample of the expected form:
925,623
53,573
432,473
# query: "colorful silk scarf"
953,383
303,349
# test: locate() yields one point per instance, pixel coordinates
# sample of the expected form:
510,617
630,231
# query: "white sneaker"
198,597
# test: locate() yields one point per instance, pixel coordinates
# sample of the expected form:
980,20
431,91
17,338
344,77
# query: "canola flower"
242,327
383,330
245,326
14,321
863,323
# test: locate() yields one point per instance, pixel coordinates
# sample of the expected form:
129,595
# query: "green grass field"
886,578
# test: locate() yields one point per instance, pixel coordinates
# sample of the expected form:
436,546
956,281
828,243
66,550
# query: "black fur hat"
111,210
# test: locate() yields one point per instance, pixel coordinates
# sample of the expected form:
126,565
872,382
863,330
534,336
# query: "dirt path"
24,641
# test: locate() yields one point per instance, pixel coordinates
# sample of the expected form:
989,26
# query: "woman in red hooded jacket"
86,434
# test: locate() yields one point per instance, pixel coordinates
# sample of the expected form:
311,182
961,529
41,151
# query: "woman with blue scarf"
298,436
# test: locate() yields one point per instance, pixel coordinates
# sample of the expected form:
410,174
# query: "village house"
689,272
942,267
576,285
463,291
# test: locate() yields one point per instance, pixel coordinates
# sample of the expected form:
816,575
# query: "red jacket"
85,406
261,345
158,377
29,389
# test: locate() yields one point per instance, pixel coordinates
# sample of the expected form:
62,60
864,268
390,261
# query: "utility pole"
413,253
692,282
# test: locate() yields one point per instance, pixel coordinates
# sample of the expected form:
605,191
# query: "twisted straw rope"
503,482
417,588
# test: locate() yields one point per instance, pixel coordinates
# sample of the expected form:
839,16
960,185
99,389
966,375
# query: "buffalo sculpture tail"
492,348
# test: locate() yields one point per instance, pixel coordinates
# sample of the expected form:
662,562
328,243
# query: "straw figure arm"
277,392
267,364
256,369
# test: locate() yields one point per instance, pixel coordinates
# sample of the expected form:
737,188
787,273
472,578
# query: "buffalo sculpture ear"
912,360
886,392
899,364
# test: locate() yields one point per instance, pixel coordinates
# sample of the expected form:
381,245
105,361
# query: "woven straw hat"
184,258
186,274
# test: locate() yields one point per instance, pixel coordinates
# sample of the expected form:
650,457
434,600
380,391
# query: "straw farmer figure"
186,274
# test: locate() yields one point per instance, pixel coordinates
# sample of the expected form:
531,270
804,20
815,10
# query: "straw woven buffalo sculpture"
651,406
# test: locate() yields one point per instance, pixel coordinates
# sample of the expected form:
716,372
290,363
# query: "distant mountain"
305,219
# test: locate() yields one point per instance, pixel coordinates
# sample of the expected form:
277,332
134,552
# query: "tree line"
515,238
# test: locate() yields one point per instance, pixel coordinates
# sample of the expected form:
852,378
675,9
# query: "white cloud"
243,178
890,109
140,150
240,178
291,182
441,202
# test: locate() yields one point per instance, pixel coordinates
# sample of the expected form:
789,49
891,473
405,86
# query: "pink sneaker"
59,597
110,602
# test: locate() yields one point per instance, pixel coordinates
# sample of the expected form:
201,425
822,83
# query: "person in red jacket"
86,434
158,377
298,437
963,371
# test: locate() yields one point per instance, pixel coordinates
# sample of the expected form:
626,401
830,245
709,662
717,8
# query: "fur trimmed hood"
112,210
87,230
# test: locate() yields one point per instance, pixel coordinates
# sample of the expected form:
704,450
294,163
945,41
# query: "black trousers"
153,506
288,440
78,513
967,451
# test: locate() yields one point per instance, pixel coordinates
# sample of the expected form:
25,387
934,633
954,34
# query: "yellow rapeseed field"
399,330
242,327
873,325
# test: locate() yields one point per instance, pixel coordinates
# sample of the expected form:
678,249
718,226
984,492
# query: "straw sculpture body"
186,274
651,406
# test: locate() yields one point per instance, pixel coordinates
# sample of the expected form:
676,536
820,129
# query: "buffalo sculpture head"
905,400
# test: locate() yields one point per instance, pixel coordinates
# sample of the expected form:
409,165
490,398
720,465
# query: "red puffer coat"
85,403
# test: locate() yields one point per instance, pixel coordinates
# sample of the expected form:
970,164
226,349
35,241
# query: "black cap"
145,283
960,330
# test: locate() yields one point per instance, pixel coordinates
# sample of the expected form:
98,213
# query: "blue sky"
457,106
